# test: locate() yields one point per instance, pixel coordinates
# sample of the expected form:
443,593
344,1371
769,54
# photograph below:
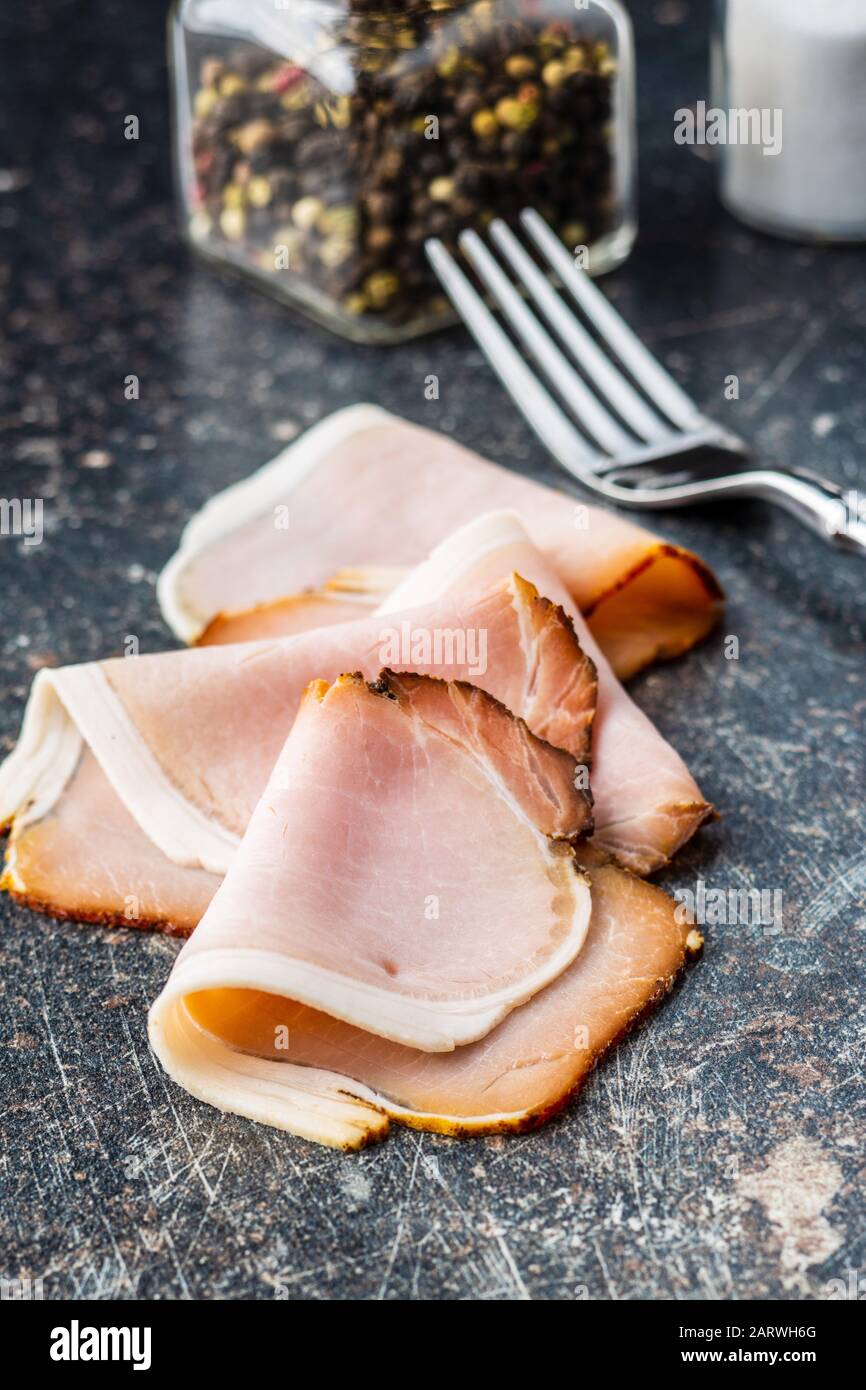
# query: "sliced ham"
186,740
260,1054
172,752
87,859
366,489
410,867
647,804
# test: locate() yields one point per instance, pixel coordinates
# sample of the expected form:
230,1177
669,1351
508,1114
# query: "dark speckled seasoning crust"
718,1151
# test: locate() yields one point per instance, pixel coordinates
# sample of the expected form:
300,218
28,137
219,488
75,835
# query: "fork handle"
826,509
836,516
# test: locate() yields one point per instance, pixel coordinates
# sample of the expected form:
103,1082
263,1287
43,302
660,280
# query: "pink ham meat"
410,867
647,804
170,754
185,741
262,1055
368,490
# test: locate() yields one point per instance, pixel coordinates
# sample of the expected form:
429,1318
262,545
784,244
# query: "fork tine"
591,414
657,383
604,375
552,426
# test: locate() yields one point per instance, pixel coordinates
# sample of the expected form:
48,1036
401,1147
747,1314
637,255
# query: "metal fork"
642,441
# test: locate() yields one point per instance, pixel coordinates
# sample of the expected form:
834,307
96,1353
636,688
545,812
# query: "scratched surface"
719,1153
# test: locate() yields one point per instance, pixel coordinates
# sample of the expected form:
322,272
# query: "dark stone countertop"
719,1152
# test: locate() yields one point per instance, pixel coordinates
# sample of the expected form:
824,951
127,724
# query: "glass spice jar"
319,142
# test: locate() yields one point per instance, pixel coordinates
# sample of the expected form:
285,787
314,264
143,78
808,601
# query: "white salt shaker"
790,78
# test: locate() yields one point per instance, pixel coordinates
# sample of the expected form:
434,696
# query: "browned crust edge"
709,814
567,622
534,1119
381,686
92,918
662,550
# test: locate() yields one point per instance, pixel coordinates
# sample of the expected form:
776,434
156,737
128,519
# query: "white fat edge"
232,508
76,705
303,1101
363,583
428,1025
183,832
456,557
34,775
323,1106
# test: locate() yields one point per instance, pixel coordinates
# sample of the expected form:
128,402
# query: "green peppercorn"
442,190
554,73
339,220
233,222
231,85
296,97
508,111
335,251
290,238
485,124
574,60
253,136
340,112
574,234
554,35
519,65
355,304
379,287
516,113
205,100
259,192
449,63
306,212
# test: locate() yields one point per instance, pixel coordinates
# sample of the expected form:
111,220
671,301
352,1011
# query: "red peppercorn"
287,77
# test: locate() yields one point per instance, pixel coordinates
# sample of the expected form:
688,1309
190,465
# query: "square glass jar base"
604,256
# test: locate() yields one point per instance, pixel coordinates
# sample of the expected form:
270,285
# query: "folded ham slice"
185,741
410,867
259,1054
368,490
88,859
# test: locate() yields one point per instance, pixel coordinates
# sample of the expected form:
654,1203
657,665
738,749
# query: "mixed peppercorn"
414,121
